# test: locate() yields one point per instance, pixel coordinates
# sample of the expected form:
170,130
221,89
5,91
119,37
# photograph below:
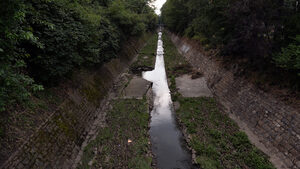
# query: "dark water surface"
167,140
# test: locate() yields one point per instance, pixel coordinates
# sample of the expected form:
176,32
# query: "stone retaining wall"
271,125
57,142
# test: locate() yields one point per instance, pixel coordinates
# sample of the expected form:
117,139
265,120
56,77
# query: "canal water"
167,140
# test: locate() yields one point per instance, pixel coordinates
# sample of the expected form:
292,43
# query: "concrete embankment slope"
57,142
271,125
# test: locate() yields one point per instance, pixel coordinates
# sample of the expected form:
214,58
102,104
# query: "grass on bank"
175,64
214,136
128,119
147,54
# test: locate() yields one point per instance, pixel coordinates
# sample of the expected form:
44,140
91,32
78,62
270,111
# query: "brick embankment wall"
57,141
271,125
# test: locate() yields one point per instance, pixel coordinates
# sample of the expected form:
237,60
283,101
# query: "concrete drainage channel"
130,141
136,126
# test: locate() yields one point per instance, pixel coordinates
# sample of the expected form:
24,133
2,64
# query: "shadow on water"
167,140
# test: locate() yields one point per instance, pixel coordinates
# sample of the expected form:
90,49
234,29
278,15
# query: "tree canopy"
43,41
264,32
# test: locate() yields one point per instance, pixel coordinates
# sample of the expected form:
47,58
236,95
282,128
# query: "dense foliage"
263,33
45,40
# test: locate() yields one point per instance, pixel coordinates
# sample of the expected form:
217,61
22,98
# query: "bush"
59,30
129,21
15,84
289,57
244,30
45,40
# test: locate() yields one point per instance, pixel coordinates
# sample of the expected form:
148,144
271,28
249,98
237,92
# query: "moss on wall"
55,140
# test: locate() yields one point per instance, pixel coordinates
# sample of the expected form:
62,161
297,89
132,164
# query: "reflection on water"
167,144
159,79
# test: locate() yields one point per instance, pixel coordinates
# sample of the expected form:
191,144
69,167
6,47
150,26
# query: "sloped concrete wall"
271,125
57,141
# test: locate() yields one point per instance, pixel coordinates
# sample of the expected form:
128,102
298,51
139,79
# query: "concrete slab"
189,87
136,88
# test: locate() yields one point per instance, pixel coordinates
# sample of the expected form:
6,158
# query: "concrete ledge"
137,88
189,87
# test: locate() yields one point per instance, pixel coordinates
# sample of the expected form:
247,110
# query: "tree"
45,40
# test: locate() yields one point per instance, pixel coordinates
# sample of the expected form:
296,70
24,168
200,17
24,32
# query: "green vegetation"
289,57
216,138
128,120
261,35
147,54
43,41
94,88
175,64
213,135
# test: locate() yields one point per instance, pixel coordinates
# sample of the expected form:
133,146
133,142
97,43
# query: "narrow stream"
167,140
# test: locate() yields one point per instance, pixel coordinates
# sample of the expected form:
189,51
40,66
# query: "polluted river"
167,141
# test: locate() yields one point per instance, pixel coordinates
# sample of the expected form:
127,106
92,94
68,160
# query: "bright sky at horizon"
158,4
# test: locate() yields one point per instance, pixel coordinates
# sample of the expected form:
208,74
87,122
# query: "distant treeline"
42,41
265,34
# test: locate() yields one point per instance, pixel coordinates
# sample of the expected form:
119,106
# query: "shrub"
15,84
244,30
289,57
45,40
